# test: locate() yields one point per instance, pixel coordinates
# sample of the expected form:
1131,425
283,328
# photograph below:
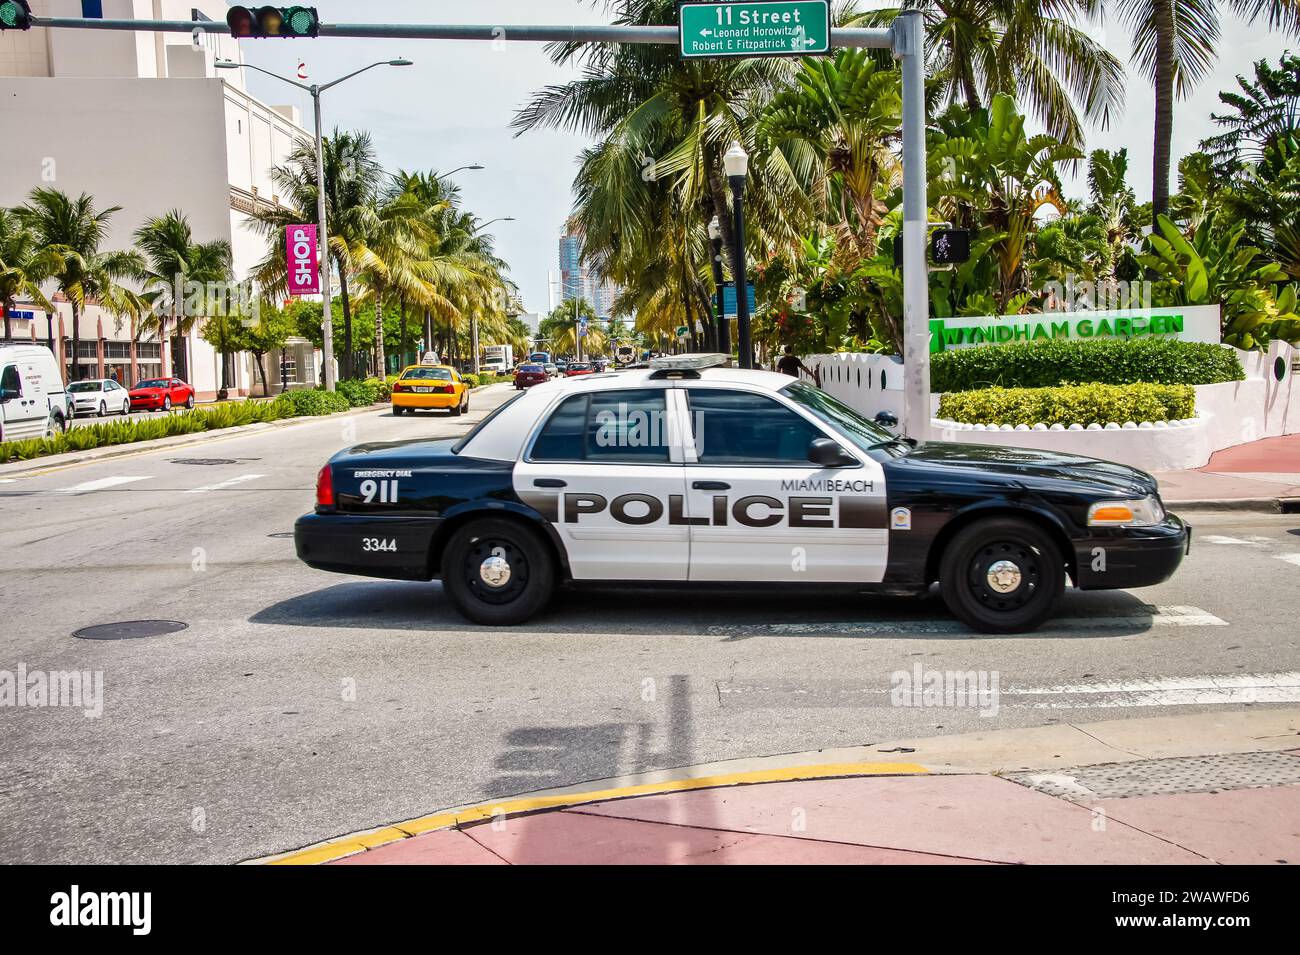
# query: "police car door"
761,510
606,469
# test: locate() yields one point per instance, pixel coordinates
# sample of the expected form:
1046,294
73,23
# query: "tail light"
398,386
325,487
448,389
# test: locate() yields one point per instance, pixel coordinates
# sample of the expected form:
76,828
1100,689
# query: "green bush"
316,402
360,394
1059,362
1073,404
229,415
471,379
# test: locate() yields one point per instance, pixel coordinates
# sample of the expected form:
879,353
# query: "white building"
145,122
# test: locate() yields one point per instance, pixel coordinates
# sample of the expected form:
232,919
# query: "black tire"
454,410
126,407
189,402
1039,575
167,403
396,411
528,558
103,410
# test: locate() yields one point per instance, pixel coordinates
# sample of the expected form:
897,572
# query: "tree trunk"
1164,118
381,367
347,323
261,372
76,342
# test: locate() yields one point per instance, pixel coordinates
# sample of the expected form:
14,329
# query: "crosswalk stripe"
1172,616
1289,558
222,485
101,484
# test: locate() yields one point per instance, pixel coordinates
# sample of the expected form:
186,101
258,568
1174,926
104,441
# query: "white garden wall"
1265,405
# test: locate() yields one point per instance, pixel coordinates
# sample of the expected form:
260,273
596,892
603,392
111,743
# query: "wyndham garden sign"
1197,323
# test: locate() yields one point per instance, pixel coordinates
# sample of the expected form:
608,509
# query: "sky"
454,106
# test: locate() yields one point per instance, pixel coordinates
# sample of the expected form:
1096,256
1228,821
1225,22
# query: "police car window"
459,445
843,419
611,427
738,427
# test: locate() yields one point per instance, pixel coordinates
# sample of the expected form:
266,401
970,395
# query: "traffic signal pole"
905,37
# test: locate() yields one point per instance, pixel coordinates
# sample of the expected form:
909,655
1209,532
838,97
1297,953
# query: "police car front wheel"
497,572
1002,575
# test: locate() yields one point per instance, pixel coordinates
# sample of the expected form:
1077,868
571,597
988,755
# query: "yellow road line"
348,845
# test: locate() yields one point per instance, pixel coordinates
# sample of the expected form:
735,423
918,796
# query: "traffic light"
273,21
950,246
15,15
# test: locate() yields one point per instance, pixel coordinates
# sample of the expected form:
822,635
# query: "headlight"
1140,513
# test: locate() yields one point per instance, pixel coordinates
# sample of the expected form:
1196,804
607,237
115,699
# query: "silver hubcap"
495,571
1004,576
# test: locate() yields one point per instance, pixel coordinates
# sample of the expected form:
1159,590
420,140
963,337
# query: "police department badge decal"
900,519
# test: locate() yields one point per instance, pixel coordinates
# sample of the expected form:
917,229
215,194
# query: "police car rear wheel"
1002,575
497,572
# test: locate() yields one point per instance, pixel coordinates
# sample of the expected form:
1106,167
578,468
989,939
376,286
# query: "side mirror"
826,453
887,419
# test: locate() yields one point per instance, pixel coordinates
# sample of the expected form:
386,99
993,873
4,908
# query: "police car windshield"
863,433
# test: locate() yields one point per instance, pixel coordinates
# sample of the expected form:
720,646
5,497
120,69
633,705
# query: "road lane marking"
1222,539
1231,689
101,484
1289,558
1172,616
222,485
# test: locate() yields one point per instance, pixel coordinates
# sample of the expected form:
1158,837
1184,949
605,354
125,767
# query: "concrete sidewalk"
1202,788
1262,475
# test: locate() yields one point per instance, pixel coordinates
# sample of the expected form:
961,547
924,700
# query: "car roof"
504,436
417,365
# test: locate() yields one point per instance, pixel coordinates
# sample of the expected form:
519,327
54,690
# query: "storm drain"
1165,777
130,629
203,461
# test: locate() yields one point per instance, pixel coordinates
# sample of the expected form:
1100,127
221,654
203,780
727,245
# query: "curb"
173,441
353,843
50,461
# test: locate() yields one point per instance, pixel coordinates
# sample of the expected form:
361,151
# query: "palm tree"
353,177
174,261
24,265
1032,50
71,231
1175,43
1113,202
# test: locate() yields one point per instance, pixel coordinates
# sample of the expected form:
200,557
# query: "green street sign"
779,28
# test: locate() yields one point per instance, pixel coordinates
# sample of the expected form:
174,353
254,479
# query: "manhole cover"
281,534
130,629
203,461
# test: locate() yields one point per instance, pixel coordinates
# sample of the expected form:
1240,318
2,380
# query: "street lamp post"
736,165
314,90
722,328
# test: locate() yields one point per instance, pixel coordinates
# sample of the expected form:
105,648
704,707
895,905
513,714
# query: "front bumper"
147,401
1125,557
396,548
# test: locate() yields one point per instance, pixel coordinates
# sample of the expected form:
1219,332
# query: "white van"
33,401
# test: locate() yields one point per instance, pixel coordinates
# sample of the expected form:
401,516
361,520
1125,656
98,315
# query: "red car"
161,394
528,375
577,368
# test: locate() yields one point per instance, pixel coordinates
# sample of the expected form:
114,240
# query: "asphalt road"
299,705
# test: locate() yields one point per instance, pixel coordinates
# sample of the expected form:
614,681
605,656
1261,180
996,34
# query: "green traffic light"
15,15
301,21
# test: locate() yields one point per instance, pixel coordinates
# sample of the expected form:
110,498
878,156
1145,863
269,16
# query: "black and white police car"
687,472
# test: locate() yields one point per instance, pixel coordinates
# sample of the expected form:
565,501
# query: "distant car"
579,368
562,365
528,375
161,394
99,396
432,387
552,369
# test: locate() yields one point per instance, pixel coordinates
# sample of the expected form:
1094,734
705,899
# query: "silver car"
99,396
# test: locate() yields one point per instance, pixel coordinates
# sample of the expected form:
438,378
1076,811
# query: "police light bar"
689,362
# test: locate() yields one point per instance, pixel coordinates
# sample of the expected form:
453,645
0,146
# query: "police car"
687,472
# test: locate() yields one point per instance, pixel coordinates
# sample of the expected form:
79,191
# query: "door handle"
549,482
710,486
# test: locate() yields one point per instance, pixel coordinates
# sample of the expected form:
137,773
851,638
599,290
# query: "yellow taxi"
430,386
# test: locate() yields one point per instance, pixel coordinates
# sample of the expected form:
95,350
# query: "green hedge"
289,405
1074,404
1113,362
